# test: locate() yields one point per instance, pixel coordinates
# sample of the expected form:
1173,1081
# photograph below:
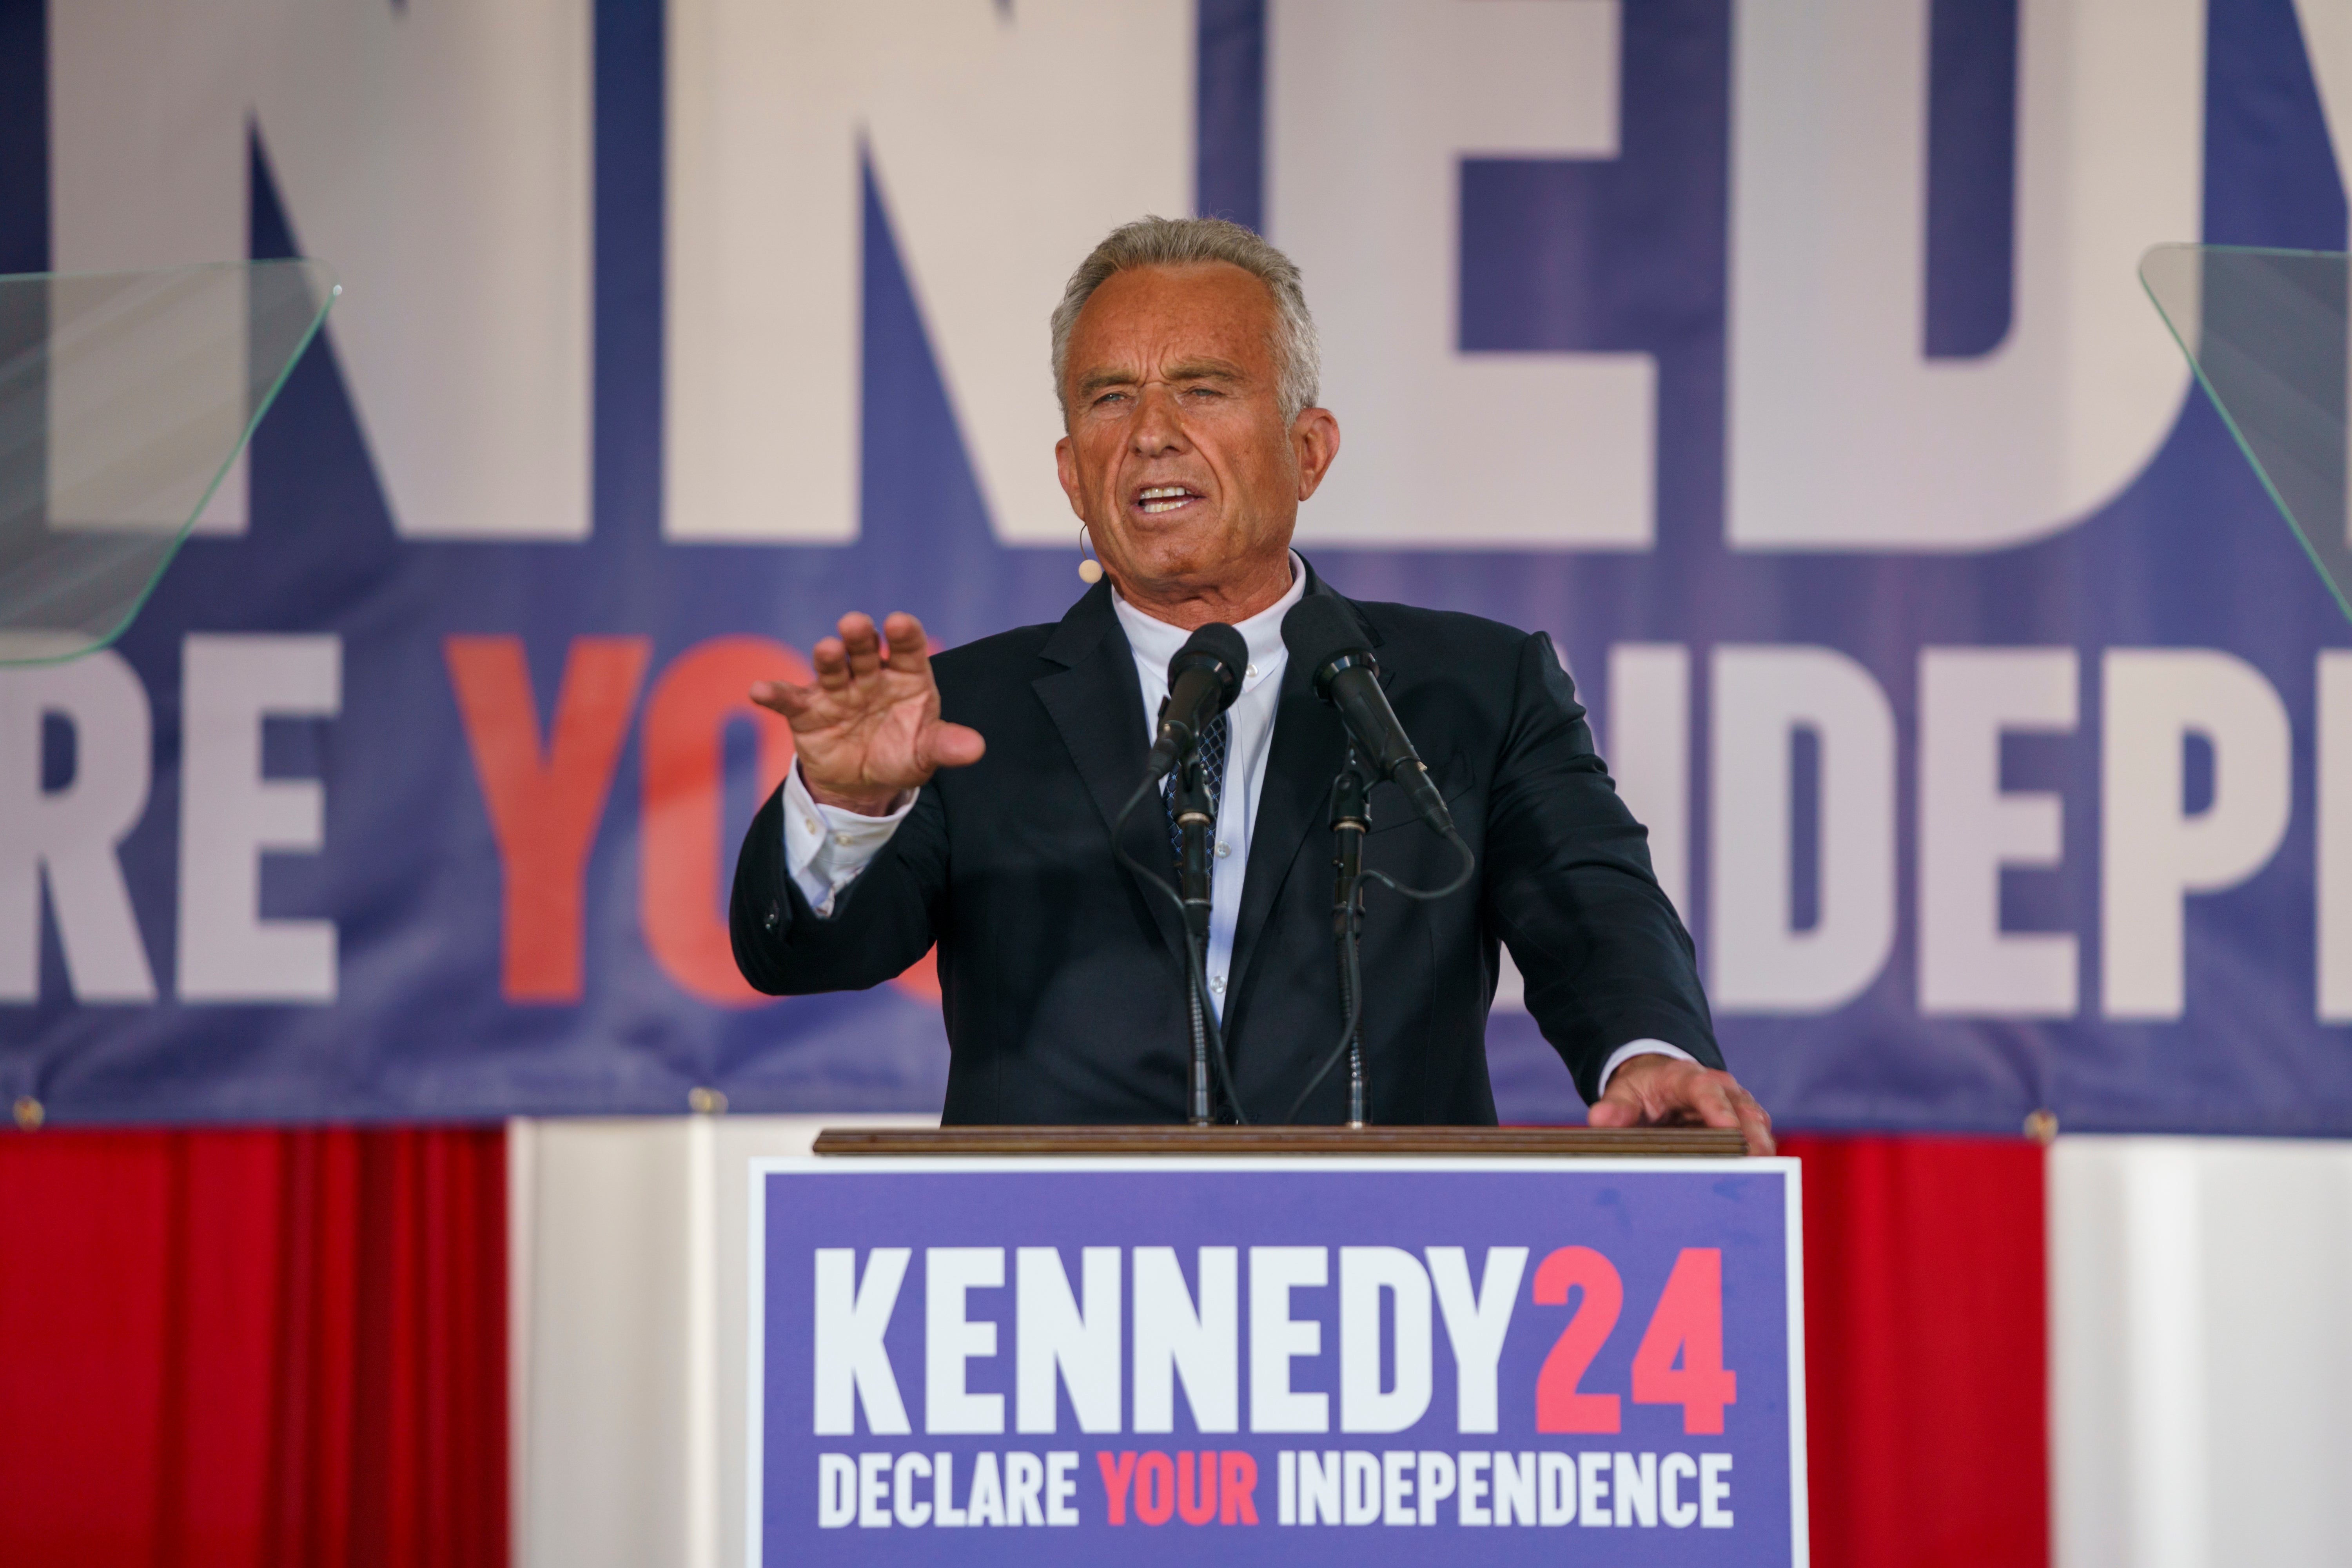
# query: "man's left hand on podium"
1665,1091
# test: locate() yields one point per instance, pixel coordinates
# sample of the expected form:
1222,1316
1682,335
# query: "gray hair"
1190,241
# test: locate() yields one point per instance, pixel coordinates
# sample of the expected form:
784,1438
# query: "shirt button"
1251,673
841,839
809,822
1224,849
1217,984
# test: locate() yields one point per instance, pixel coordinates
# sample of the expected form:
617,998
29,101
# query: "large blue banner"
1784,359
1275,1361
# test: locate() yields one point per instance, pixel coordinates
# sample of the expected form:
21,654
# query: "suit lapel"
1310,743
1097,703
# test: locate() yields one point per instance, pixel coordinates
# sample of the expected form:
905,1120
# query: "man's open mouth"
1154,499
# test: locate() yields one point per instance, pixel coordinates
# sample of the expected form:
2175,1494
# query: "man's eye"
1110,397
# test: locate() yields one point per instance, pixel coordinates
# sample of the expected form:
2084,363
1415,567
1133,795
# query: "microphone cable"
1147,789
1355,977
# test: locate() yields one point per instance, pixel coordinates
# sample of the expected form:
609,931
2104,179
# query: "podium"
1363,1345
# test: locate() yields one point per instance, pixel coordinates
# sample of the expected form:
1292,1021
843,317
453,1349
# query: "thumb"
952,746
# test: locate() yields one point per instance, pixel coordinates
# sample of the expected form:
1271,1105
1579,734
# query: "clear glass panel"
125,399
2265,331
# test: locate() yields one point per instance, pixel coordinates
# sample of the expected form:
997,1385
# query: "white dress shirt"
827,847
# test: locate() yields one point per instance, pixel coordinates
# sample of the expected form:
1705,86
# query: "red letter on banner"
544,803
1559,1406
683,873
1237,1488
1117,1473
1689,1319
1155,1488
1196,1505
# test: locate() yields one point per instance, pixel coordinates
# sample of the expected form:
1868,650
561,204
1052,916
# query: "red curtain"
1926,1360
268,1347
289,1348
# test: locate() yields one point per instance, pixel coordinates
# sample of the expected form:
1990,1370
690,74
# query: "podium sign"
1277,1360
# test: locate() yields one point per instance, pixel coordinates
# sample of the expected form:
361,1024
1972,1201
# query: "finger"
862,644
776,697
1618,1107
952,746
910,650
1712,1104
832,661
1755,1124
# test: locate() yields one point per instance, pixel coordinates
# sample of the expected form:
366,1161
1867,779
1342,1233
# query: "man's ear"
1065,464
1315,442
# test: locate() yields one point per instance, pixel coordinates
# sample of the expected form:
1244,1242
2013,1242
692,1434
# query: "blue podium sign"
1287,1361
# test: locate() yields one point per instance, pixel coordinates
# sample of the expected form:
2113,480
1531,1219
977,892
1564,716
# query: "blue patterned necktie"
1213,770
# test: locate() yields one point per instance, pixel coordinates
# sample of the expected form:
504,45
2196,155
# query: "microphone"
1322,638
1204,678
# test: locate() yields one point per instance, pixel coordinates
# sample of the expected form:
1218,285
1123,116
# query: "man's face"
1177,457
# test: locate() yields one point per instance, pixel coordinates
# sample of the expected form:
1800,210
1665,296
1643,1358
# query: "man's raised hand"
869,728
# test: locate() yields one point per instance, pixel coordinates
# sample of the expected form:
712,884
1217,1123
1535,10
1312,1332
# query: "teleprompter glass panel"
125,400
2266,333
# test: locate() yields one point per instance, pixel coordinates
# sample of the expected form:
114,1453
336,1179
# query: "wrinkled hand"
869,730
1666,1091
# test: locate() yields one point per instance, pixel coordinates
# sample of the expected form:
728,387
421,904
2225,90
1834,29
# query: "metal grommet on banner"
706,1101
2042,1126
30,1114
1090,569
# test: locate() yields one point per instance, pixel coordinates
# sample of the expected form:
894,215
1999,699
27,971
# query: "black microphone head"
1214,647
1322,636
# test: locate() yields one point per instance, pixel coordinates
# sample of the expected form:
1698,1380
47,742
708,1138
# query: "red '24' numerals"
1688,1326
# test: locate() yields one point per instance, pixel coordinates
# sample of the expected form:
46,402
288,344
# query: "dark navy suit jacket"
1063,977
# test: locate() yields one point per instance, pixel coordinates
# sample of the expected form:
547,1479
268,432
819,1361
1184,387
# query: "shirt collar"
1155,642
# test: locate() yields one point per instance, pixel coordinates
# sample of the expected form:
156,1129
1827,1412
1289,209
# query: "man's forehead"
1210,314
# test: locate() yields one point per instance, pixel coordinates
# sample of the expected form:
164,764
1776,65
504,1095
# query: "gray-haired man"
971,800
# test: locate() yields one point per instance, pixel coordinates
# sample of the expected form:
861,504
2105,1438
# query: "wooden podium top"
1197,1142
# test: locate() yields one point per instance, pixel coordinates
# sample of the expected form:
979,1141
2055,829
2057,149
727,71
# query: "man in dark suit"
971,799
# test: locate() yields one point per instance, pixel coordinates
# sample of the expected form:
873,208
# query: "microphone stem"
1350,816
1195,825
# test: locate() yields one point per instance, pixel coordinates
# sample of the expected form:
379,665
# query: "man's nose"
1158,423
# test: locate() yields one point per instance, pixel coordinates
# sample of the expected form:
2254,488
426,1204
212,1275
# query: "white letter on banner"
1062,1486
1367,125
1171,1339
1673,1471
852,1363
836,1490
1276,1338
964,110
1366,1273
950,1340
1649,751
463,332
1762,696
1970,829
2151,852
1050,1332
2333,872
230,815
1713,1491
1361,1487
1842,434
874,1491
904,1506
1557,1487
1475,1325
71,832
